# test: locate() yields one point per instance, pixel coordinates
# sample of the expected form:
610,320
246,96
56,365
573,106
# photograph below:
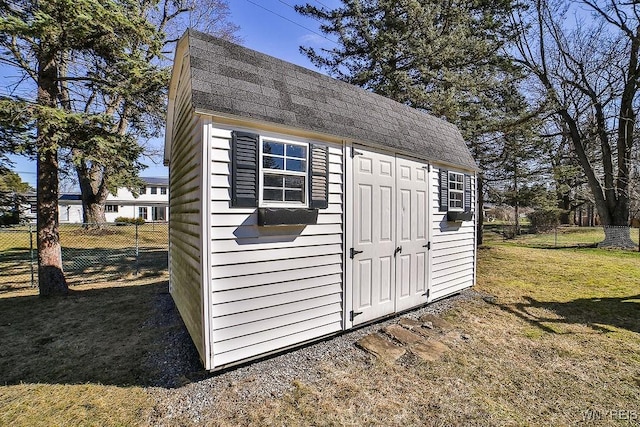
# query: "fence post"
137,251
33,283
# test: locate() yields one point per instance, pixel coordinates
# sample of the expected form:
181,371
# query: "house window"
142,213
283,174
154,190
158,213
111,208
456,191
163,190
143,190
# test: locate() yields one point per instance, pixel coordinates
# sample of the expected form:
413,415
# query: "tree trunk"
617,231
94,192
93,212
516,199
51,280
617,236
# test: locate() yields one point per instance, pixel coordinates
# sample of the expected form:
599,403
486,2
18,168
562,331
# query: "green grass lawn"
554,341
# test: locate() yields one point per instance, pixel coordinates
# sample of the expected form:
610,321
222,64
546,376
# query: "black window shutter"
318,176
444,190
244,165
467,193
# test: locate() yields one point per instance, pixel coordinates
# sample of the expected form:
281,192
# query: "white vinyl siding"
271,287
185,269
452,247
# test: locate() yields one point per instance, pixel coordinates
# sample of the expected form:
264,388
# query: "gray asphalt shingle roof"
155,180
231,79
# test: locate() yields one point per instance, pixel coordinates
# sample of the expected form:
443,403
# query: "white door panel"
412,192
390,235
374,236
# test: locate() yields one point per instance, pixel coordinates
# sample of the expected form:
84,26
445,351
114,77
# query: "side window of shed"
455,191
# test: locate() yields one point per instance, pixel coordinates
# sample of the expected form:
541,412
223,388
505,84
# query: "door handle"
398,250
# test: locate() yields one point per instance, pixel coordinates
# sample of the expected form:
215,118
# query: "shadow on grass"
15,269
600,314
130,335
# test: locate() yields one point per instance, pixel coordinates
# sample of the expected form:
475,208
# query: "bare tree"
587,71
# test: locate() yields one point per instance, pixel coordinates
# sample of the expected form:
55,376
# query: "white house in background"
151,205
302,206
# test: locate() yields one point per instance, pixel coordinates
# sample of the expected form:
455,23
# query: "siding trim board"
205,244
246,290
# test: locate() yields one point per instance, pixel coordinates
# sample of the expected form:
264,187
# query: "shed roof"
233,80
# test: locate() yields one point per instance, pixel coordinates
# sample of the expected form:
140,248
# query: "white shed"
302,206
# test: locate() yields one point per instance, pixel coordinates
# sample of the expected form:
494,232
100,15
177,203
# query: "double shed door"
390,235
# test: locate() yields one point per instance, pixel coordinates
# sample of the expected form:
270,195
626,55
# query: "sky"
268,26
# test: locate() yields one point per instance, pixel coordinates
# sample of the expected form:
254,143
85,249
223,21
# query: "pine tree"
441,57
46,40
136,101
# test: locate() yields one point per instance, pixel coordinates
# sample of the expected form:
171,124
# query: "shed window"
456,191
111,208
284,173
271,172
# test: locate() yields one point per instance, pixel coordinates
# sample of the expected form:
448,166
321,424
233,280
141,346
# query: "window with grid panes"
456,191
284,173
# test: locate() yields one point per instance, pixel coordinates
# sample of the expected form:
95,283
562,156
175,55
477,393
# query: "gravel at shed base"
184,391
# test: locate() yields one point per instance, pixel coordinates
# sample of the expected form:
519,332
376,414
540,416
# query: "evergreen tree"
441,57
53,43
136,99
12,197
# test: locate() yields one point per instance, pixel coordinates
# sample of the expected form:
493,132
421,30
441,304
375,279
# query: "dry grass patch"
79,360
554,341
73,405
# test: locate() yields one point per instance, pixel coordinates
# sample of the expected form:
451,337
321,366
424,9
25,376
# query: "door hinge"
353,253
353,314
426,294
355,152
427,167
428,246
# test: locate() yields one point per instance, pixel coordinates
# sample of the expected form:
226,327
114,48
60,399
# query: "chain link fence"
94,254
558,237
